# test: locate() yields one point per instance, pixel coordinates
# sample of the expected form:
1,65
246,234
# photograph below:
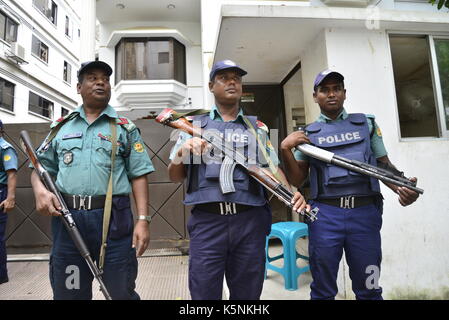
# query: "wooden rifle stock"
168,117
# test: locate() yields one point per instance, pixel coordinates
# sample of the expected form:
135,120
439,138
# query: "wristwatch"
142,217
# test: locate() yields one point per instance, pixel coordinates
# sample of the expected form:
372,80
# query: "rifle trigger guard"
227,175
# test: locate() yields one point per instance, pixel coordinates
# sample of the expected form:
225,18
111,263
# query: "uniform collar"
342,116
108,111
215,114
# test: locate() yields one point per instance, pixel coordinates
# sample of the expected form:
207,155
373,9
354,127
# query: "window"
7,94
68,27
8,28
39,49
64,112
67,75
150,59
48,8
421,75
40,106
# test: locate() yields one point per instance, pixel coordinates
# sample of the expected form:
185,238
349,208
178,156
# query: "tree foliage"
440,3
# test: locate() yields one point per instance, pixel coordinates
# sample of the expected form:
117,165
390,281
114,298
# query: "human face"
227,87
95,88
330,96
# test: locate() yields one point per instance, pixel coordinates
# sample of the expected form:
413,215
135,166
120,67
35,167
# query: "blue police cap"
94,65
324,74
223,65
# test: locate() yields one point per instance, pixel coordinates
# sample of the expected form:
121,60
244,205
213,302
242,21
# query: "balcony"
145,94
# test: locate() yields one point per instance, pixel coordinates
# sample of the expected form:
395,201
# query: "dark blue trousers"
70,276
232,245
357,232
3,220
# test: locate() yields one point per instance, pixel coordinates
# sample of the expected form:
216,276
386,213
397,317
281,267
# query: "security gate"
29,232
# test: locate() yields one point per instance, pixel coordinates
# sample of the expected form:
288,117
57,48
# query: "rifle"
358,166
232,158
66,216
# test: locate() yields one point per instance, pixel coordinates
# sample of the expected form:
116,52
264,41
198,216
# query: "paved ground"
163,275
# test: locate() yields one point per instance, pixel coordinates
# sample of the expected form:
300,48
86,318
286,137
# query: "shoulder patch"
64,119
261,125
127,124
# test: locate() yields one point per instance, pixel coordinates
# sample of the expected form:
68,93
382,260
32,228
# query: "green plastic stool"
288,233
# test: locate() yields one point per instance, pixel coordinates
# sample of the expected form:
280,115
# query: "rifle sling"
108,201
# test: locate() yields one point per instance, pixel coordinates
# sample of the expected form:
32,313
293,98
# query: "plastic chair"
288,233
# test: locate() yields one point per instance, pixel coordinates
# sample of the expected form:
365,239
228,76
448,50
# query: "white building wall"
44,79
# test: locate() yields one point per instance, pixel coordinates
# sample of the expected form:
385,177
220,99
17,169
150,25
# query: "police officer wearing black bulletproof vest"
350,204
227,231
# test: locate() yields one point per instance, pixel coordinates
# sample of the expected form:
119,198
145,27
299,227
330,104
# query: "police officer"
227,231
78,154
350,204
8,181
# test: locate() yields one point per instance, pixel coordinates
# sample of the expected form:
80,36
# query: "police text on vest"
341,137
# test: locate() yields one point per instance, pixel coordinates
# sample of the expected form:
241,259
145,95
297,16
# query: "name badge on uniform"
72,135
68,157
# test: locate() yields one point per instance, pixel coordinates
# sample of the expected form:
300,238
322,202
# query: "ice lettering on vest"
341,137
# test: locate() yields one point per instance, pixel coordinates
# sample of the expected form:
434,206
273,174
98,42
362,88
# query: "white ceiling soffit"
268,43
148,10
147,32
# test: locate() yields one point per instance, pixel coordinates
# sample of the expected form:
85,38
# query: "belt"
80,202
223,208
349,202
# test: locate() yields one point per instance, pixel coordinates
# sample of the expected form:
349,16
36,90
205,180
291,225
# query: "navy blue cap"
94,64
324,74
223,65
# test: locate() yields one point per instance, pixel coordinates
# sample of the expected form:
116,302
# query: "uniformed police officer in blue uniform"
350,204
8,181
79,157
227,231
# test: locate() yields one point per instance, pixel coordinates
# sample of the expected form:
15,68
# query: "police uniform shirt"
8,158
377,144
262,132
80,156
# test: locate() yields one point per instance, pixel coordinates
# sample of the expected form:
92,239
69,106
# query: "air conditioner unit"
17,53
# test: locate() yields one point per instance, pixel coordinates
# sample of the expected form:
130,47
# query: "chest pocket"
103,150
69,152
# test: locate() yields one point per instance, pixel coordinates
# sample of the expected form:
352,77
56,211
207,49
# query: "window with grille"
40,106
7,94
8,28
39,49
150,59
421,74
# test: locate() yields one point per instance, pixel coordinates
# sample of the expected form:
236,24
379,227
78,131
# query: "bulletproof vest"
349,138
203,172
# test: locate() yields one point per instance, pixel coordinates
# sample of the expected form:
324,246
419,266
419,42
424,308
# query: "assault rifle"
233,157
66,216
359,167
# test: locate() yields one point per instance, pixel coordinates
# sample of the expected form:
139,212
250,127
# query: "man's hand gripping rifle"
66,216
232,158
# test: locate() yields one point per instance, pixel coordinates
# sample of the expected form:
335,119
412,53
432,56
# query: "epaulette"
64,119
5,145
261,125
127,124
